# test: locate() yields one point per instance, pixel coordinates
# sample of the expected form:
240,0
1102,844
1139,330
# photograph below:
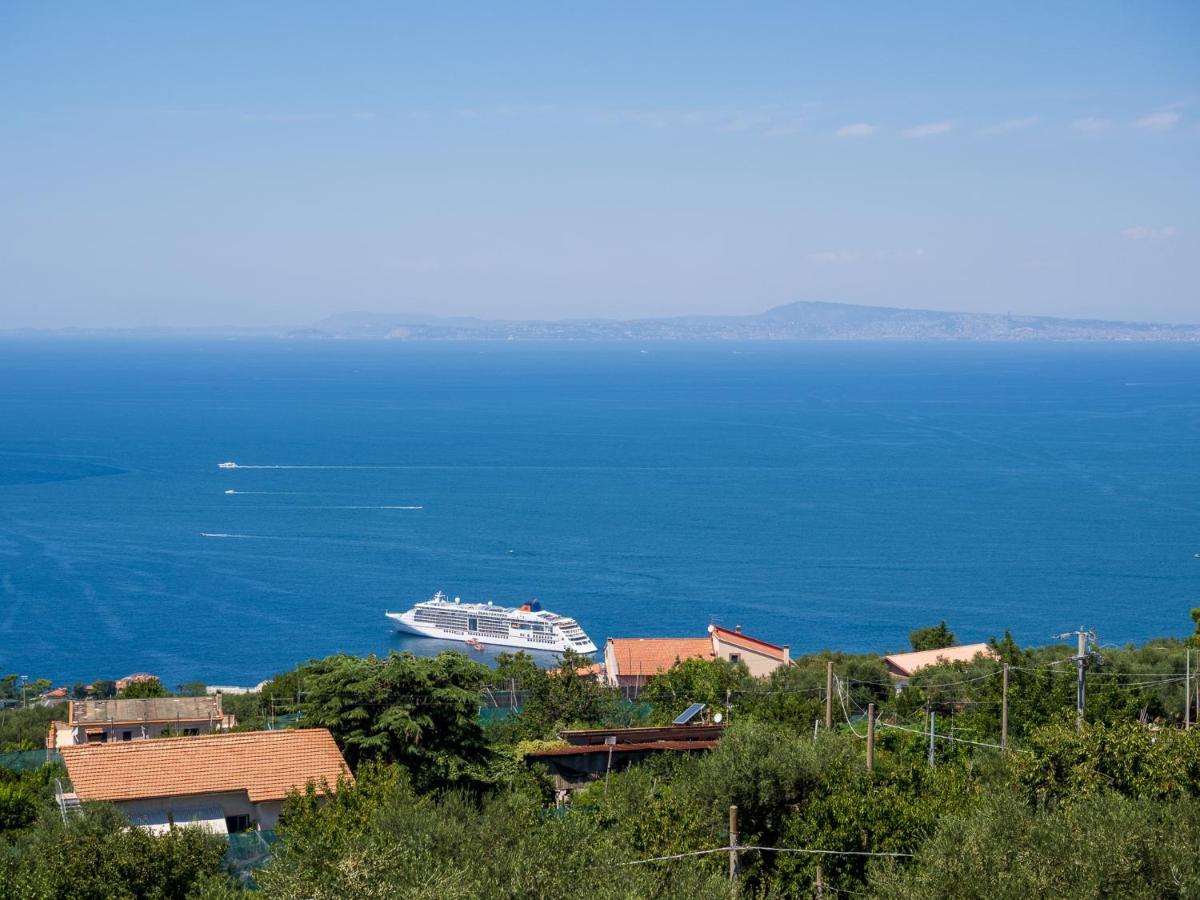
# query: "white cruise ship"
527,627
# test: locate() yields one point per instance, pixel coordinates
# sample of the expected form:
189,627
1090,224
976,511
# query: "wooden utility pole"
870,737
1004,713
820,883
829,695
733,853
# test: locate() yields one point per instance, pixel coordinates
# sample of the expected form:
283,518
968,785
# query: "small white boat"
227,465
528,626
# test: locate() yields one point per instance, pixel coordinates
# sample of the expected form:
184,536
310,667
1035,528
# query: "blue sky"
176,164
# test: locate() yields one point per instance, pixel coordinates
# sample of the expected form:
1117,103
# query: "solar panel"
688,714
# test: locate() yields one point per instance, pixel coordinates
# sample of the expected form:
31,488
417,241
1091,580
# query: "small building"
226,783
104,721
903,666
631,662
591,753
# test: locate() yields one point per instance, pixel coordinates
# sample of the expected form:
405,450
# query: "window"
127,735
237,824
97,737
472,624
735,657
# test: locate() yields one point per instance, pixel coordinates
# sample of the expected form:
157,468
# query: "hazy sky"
246,163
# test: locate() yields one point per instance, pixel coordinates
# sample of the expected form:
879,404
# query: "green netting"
490,714
248,851
24,760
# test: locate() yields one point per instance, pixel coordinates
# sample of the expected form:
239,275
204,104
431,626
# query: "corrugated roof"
579,749
649,656
908,663
157,709
264,764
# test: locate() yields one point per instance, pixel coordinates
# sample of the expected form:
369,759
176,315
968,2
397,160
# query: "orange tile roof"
264,764
648,656
744,640
908,663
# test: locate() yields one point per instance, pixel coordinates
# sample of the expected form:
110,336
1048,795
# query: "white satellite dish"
717,718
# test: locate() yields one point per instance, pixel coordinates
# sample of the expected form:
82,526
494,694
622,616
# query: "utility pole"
870,737
1081,636
829,695
733,853
820,885
1004,713
932,722
1187,699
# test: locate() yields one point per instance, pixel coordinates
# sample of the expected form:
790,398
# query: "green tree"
104,689
1106,846
417,711
382,839
141,690
934,637
95,854
715,682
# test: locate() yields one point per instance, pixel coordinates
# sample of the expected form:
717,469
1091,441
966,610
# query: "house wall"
759,664
115,732
264,815
610,665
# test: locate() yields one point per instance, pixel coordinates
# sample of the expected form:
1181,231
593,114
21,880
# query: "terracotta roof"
157,709
744,640
649,656
908,663
264,764
578,749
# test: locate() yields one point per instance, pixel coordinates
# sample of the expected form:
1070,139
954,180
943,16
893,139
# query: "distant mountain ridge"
800,321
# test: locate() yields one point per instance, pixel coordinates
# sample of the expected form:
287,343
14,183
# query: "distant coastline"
800,321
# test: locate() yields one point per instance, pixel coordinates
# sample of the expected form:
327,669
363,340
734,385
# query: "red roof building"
631,662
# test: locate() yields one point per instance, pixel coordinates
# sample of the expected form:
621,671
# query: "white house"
226,783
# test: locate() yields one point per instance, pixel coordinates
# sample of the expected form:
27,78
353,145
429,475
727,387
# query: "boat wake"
373,507
242,537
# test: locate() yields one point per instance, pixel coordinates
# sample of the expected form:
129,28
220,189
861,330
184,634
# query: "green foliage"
709,681
381,839
1105,846
19,805
1066,765
26,729
418,711
104,689
934,637
559,698
142,690
96,855
192,689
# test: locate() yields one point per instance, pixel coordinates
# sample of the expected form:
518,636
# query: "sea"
820,495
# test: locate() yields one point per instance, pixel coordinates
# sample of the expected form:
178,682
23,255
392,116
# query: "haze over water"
820,495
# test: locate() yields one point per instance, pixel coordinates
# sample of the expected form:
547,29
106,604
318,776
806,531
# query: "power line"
740,847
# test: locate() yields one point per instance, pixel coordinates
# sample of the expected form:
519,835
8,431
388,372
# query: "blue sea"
819,495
